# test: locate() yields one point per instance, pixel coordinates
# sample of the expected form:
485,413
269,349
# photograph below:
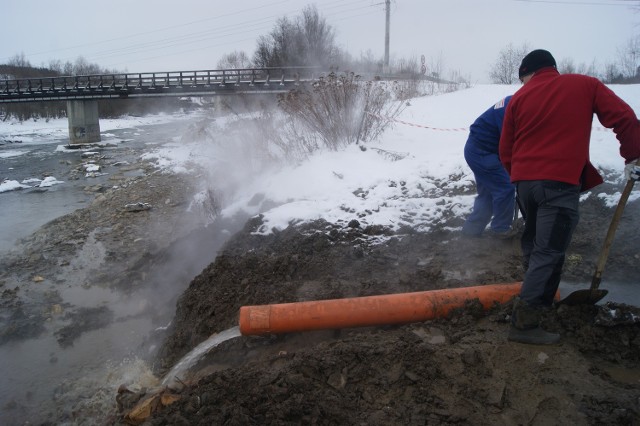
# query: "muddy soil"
458,370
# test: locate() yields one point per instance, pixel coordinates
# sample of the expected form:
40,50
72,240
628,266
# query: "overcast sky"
163,35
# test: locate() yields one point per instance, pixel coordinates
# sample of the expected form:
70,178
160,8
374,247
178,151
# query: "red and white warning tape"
462,129
459,129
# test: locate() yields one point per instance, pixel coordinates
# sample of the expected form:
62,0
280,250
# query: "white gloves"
632,170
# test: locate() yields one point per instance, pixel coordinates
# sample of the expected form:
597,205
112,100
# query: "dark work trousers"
551,211
496,193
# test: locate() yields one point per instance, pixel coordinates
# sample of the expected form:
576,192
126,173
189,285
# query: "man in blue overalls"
496,194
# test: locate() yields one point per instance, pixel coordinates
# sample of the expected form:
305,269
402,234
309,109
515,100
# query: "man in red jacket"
545,148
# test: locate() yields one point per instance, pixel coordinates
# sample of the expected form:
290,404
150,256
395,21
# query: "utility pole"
386,38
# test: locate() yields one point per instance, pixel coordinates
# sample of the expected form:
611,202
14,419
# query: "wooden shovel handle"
604,253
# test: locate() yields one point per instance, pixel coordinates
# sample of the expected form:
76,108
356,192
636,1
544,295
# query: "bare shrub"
307,40
408,88
505,68
294,140
629,58
234,60
338,110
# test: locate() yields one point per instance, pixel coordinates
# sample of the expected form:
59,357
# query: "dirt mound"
459,370
442,372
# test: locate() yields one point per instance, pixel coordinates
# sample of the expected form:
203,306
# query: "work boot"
533,336
503,235
525,325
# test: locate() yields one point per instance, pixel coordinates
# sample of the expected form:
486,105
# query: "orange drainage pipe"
400,308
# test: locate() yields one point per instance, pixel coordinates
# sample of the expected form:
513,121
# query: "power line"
191,39
579,2
195,37
154,31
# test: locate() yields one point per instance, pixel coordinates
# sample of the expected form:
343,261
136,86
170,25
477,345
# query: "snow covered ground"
401,179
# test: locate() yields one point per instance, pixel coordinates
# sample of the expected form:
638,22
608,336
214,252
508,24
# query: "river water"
43,154
42,381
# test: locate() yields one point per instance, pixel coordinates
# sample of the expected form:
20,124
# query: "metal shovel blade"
594,294
585,297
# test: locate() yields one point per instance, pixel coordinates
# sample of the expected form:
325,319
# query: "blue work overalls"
496,194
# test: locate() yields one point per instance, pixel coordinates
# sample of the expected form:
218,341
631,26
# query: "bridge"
178,83
82,91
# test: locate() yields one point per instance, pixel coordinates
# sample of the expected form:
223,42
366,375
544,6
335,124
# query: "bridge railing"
167,83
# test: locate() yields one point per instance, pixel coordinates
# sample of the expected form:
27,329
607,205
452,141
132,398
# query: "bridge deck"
178,83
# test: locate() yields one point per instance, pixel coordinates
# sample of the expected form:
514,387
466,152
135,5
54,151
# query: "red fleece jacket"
547,126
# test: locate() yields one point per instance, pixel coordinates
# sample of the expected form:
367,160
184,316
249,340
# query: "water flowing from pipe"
190,359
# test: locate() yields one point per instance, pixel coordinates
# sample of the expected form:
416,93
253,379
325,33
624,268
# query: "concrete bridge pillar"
84,126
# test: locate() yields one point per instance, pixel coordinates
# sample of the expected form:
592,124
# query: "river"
75,385
32,154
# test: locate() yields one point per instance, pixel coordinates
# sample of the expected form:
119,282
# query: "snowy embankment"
414,175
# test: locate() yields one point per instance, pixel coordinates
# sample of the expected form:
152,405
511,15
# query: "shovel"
594,294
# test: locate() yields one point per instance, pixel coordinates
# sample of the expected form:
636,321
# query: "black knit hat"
534,61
